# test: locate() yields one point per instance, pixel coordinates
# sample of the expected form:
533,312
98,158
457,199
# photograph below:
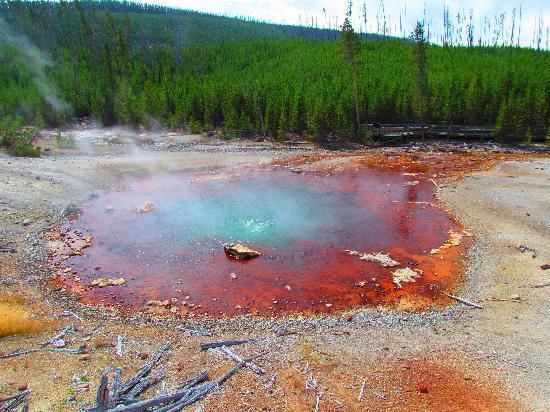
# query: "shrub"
64,141
16,139
194,127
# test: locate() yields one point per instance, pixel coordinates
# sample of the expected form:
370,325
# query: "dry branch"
464,301
102,396
6,249
201,377
212,345
146,384
254,368
125,387
61,334
74,315
71,351
12,402
362,391
436,185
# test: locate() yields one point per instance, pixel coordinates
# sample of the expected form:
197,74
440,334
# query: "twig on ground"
379,395
74,315
254,368
318,400
464,301
6,249
212,345
362,391
72,351
541,285
195,332
436,185
62,333
119,346
509,362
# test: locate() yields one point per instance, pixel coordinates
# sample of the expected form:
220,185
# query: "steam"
36,63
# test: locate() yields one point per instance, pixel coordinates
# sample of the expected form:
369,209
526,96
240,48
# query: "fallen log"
212,345
201,377
126,386
12,402
146,384
102,395
71,351
464,301
184,397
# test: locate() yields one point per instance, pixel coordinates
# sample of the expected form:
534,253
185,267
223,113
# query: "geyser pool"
301,222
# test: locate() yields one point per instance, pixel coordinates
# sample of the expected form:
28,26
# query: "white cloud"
401,15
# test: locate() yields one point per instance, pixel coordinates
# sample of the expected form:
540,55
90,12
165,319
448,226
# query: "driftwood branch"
212,345
146,384
125,387
61,334
102,396
71,351
74,315
436,185
201,377
464,301
362,391
12,402
184,397
254,368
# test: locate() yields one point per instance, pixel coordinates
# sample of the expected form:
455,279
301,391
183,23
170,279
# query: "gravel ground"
458,359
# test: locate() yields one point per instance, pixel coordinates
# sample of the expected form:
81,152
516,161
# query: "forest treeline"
131,64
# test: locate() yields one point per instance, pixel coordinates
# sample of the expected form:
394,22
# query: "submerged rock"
455,239
146,208
104,282
159,303
405,275
240,252
383,259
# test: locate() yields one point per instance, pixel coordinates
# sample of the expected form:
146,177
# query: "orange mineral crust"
334,233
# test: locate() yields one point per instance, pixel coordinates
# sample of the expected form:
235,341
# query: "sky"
325,12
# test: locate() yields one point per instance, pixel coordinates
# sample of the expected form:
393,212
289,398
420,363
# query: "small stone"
109,208
143,355
23,387
84,358
328,305
240,252
238,307
515,297
233,276
287,287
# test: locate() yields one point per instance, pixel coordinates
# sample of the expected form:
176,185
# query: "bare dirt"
453,359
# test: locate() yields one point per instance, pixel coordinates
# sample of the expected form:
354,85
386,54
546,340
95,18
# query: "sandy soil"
458,359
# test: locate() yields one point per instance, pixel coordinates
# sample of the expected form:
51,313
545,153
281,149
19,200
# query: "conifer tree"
351,49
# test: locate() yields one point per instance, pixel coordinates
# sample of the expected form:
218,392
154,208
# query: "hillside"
131,64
